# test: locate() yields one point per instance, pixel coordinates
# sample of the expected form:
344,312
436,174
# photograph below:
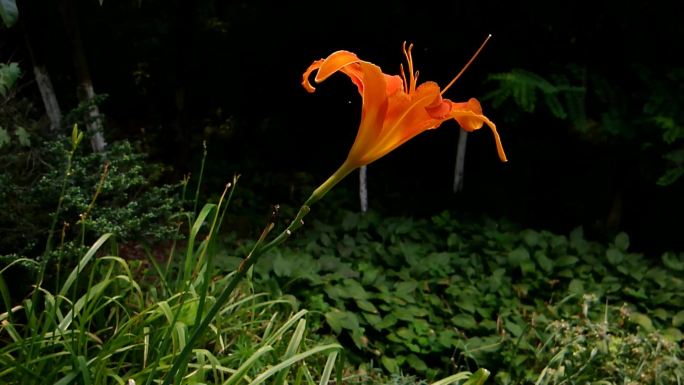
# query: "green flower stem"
248,262
335,178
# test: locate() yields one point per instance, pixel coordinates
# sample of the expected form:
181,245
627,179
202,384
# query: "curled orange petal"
305,78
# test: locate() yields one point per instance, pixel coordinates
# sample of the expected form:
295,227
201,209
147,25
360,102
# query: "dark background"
177,73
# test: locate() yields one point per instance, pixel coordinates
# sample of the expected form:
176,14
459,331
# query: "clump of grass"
607,351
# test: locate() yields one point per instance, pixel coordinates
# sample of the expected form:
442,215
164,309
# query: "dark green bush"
113,192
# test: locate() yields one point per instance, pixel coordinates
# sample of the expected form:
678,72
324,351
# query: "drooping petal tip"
305,78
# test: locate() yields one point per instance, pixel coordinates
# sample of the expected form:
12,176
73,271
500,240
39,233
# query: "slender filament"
466,66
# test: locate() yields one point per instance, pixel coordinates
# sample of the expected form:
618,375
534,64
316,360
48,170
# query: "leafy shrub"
33,184
129,205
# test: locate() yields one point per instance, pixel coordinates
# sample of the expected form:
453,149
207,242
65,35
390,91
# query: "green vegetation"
401,300
108,318
445,295
113,271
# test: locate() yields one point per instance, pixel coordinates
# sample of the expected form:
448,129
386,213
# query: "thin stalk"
199,180
98,190
51,233
172,251
206,259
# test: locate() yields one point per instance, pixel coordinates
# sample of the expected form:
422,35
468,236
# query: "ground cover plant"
532,306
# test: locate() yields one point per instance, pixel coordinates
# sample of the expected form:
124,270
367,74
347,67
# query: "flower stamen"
410,86
403,77
466,66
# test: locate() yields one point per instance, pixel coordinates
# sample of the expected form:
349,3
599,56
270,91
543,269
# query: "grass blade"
290,361
240,373
327,370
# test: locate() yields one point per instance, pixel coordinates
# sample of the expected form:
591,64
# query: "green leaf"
660,313
673,335
544,262
23,136
366,306
478,378
405,287
335,319
283,267
678,319
479,347
446,338
642,320
386,322
670,176
373,319
576,286
4,137
464,321
453,240
614,256
350,221
566,260
339,320
353,289
466,303
390,364
622,241
416,363
640,293
673,262
9,12
518,256
188,312
406,333
9,74
531,237
515,329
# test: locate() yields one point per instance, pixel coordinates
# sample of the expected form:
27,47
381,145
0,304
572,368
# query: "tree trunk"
460,161
47,91
363,188
86,92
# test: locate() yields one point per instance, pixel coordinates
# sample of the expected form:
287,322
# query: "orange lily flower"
395,108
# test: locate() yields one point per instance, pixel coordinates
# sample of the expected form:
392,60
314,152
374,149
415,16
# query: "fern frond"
524,88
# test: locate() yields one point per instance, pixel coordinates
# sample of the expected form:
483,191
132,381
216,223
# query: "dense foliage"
442,295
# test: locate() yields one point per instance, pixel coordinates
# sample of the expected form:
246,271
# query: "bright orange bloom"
395,108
